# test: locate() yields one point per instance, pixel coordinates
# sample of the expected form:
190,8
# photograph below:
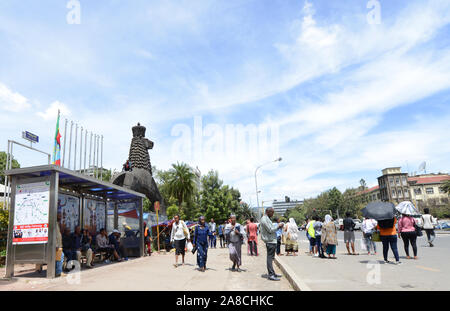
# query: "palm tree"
182,183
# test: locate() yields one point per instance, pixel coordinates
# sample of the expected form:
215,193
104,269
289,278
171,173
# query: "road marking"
428,269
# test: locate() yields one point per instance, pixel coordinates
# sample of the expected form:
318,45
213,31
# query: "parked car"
443,225
339,224
358,224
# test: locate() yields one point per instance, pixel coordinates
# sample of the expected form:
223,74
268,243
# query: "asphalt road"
363,272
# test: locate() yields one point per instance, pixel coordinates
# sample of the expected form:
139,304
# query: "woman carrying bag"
201,243
179,235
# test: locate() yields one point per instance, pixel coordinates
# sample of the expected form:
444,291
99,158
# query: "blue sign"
30,136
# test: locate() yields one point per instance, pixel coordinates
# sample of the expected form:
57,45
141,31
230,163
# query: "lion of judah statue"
138,174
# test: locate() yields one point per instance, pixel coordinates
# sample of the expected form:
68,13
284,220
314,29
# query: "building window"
394,193
397,181
417,191
429,190
400,193
405,182
406,193
391,181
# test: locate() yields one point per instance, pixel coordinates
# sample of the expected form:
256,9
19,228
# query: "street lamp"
256,181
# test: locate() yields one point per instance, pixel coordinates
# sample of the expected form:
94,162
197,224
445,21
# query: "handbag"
376,236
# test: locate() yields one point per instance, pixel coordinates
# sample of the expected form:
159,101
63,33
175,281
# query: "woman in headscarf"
201,242
329,237
291,233
236,234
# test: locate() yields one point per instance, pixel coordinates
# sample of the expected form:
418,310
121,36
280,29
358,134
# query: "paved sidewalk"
157,273
363,272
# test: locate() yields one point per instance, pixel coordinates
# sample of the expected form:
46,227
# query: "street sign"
157,206
30,137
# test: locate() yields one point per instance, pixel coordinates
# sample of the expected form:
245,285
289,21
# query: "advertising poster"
31,213
94,217
69,210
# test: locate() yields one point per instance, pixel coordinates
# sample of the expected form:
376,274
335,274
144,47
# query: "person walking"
291,232
279,236
388,236
329,237
147,240
311,234
235,233
349,233
221,230
407,232
252,233
429,223
269,236
212,234
368,228
318,237
179,234
201,234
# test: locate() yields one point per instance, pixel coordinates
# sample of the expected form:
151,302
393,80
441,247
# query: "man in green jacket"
269,236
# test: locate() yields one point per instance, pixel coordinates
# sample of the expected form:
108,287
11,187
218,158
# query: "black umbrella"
379,210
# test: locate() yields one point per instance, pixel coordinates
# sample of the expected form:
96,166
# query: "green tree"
172,211
181,184
106,175
14,163
446,186
4,218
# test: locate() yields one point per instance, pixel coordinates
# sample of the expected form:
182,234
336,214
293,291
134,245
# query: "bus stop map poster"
94,217
31,213
69,209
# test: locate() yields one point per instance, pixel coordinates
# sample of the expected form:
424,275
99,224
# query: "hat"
116,231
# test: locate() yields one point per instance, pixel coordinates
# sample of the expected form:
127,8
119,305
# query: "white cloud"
52,111
12,101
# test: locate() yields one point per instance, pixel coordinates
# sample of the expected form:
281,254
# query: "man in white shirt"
368,228
428,225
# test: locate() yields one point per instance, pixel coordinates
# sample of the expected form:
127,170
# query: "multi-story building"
372,194
393,185
426,189
281,207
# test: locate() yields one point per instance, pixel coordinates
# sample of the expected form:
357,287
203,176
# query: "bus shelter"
44,196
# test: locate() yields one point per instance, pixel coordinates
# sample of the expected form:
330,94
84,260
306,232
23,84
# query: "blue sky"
348,98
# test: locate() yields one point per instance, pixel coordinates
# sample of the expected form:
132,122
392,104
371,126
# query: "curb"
293,279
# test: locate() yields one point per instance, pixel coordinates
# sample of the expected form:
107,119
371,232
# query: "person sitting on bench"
114,239
67,250
104,246
82,246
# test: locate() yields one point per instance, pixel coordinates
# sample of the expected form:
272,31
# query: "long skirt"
235,252
291,246
202,254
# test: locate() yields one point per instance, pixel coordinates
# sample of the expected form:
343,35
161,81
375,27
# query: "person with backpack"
407,232
311,234
200,244
388,236
429,223
318,252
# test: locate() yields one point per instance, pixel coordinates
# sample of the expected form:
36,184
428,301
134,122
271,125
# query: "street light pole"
256,182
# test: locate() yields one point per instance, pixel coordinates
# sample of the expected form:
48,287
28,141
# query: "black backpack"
386,223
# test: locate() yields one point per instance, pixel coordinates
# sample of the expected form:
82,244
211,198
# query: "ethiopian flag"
57,148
